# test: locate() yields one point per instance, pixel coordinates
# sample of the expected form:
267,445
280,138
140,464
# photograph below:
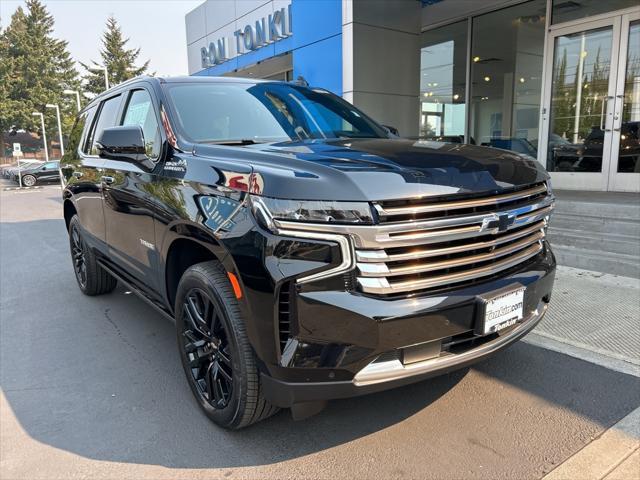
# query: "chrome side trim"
346,249
395,370
471,203
343,241
382,286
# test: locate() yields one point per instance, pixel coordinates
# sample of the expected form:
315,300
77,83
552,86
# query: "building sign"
254,35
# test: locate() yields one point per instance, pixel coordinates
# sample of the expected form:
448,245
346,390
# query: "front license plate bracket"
500,309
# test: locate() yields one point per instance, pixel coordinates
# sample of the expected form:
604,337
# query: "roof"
179,79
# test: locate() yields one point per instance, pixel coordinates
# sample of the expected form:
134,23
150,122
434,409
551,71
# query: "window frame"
127,94
88,141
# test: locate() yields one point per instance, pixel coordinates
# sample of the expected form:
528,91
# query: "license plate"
503,311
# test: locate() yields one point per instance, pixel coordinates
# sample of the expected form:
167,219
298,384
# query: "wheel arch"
184,251
69,210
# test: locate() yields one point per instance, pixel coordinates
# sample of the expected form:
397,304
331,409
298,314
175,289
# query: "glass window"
443,59
506,73
81,132
629,159
106,119
224,112
567,10
140,112
50,166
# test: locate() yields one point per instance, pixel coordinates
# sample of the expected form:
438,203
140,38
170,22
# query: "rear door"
128,214
83,168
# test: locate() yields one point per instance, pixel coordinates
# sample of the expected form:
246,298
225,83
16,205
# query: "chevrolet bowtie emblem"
498,222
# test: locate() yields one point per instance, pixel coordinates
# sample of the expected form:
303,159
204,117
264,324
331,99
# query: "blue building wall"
315,45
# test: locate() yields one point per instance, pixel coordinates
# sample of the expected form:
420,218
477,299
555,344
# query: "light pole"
44,134
77,94
99,68
50,105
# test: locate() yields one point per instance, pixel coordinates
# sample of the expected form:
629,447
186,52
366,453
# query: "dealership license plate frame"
492,302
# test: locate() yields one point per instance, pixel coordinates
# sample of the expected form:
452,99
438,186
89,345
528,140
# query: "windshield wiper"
241,141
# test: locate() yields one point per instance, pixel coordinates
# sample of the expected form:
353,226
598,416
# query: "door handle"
107,179
604,112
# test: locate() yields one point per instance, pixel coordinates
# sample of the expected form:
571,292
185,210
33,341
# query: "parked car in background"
45,173
11,171
305,252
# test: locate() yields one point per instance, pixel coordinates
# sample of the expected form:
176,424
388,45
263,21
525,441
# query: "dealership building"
555,79
558,80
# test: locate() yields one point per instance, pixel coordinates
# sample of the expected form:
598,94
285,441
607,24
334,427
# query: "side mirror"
124,143
392,130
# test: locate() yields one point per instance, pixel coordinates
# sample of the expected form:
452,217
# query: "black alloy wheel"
78,256
217,357
91,277
207,348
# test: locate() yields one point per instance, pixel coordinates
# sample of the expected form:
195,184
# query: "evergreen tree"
34,71
119,60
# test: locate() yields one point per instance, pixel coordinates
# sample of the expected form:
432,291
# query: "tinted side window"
87,123
106,119
78,133
140,112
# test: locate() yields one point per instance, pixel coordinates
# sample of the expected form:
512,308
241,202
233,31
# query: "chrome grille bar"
378,269
376,256
459,204
382,286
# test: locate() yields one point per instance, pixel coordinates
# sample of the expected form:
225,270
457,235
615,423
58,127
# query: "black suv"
305,252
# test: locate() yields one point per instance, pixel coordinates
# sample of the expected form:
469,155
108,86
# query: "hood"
376,169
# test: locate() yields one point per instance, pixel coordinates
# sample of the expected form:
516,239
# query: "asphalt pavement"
93,387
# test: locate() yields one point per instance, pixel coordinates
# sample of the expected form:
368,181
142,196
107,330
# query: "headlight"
314,211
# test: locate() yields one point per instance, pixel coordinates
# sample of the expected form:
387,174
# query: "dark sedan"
47,172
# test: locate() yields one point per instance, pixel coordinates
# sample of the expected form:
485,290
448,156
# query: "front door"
592,105
128,213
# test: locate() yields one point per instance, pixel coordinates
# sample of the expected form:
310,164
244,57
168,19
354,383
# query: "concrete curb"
610,456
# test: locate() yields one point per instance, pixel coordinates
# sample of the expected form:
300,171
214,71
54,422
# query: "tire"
91,277
213,346
29,180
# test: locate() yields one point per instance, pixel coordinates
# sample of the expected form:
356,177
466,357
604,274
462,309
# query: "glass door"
625,165
591,108
578,112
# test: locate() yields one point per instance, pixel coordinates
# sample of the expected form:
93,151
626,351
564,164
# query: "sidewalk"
596,317
595,311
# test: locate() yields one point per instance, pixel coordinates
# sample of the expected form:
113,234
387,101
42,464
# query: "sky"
156,26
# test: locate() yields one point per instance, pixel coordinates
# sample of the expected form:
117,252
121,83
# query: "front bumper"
342,337
324,339
386,375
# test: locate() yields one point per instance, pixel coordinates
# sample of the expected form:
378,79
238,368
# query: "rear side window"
140,112
50,166
106,119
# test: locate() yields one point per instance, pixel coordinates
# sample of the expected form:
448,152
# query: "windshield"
267,112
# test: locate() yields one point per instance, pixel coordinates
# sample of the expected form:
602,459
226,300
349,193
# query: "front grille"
421,246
